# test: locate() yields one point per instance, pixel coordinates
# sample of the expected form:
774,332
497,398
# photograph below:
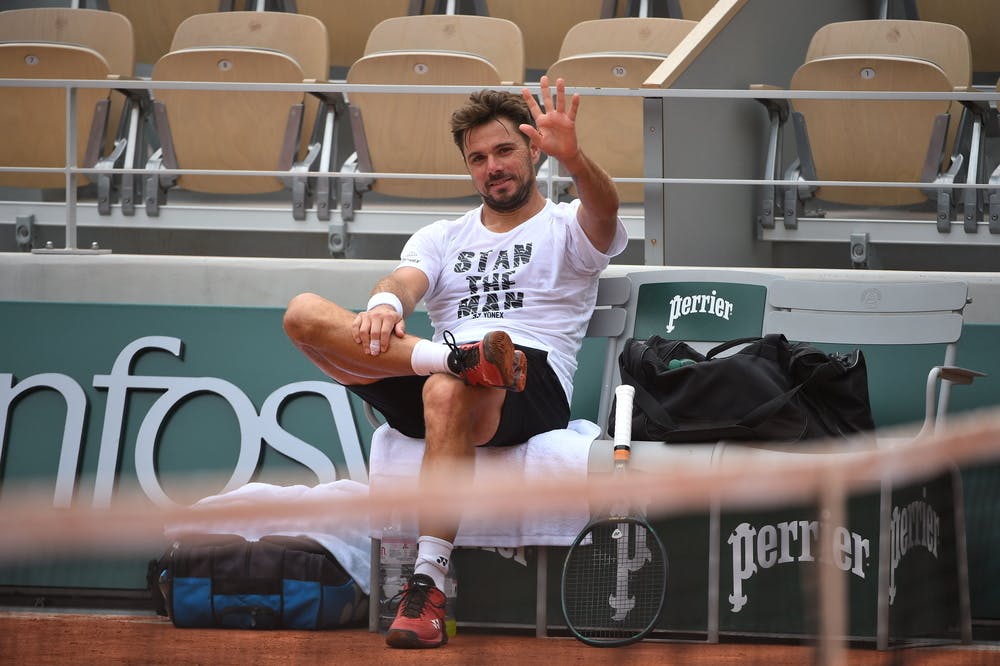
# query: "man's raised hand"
556,124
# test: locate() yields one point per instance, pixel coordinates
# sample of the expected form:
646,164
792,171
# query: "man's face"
501,163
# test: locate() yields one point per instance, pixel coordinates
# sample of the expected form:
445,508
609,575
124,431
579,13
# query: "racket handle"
624,395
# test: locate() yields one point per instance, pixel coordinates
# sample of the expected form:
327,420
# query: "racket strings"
614,582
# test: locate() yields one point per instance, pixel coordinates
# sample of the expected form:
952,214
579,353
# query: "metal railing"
655,98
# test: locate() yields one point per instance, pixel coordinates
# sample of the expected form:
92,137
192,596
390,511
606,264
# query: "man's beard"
515,201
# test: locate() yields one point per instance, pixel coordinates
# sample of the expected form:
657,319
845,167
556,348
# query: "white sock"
429,357
433,557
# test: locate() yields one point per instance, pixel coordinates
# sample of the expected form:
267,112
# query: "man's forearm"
598,199
402,291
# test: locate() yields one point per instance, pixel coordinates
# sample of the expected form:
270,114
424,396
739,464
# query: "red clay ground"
30,638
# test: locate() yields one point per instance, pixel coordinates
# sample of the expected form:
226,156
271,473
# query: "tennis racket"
614,579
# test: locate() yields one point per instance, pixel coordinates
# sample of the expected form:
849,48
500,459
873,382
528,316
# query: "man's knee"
302,315
442,394
450,404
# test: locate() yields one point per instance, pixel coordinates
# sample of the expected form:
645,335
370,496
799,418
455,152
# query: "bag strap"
649,404
662,350
771,407
729,344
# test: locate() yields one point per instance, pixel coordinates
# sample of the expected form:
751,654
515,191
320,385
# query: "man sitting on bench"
509,286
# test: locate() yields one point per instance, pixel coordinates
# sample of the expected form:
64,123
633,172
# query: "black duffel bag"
770,390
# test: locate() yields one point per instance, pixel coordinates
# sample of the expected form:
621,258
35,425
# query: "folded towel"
557,454
345,536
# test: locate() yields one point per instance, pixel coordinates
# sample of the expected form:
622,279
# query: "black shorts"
540,407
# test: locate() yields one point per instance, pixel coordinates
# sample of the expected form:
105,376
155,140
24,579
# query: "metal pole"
70,164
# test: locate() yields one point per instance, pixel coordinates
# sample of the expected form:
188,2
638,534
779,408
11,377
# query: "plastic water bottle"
165,582
451,598
397,556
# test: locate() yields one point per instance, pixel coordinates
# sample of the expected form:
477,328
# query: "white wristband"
386,298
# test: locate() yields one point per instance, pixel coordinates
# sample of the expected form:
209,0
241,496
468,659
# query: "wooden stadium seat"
111,35
409,133
303,38
348,23
863,140
155,22
544,33
240,130
60,43
649,36
978,19
944,45
497,40
877,140
619,53
226,129
33,120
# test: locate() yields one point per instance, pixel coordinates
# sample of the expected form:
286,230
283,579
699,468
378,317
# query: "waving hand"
556,124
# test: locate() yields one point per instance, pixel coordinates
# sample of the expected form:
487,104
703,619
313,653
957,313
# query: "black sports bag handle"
729,344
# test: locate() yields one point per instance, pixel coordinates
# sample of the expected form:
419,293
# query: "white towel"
557,454
345,536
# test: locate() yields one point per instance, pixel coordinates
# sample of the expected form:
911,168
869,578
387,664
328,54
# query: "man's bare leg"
321,329
458,418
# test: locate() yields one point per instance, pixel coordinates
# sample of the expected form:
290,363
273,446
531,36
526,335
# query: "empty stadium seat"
871,141
979,20
155,21
497,40
33,120
625,35
246,130
348,24
544,32
409,133
942,44
875,140
302,38
62,43
616,53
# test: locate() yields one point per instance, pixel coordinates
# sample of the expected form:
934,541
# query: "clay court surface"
31,638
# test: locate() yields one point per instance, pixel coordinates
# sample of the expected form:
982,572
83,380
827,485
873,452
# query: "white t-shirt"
537,282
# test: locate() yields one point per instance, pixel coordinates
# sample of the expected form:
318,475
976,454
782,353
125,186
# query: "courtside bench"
740,571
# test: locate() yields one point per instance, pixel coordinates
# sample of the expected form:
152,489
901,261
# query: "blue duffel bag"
278,582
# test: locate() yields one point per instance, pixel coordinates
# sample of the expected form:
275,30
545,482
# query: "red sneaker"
419,619
491,362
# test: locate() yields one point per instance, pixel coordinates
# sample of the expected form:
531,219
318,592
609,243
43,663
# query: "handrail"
71,170
967,95
960,95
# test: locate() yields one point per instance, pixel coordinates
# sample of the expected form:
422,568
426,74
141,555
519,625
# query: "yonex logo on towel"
681,306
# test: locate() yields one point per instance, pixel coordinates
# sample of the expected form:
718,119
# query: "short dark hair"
485,106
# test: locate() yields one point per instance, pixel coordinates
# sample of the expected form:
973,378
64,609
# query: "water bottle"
397,556
451,598
165,582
